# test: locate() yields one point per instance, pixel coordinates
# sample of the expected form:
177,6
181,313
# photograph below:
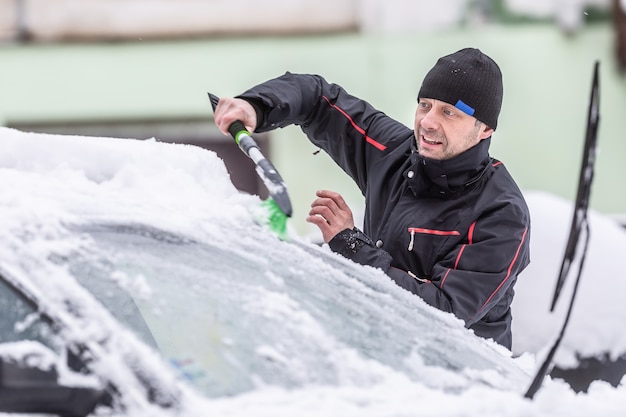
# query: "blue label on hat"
464,108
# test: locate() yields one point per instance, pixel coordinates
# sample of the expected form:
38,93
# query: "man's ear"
486,132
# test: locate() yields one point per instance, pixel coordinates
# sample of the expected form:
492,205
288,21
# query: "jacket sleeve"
349,129
470,280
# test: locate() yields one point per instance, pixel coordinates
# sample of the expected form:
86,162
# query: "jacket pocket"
430,232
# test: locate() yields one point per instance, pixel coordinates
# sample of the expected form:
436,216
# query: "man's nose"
429,121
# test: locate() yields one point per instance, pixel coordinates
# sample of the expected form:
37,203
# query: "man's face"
442,131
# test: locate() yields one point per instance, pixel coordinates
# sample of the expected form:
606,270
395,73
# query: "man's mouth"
430,141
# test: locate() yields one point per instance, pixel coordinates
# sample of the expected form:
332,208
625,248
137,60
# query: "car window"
20,319
231,318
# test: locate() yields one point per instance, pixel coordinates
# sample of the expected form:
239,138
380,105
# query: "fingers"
330,213
229,110
334,198
326,204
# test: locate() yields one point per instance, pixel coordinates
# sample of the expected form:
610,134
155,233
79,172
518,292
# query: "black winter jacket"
454,232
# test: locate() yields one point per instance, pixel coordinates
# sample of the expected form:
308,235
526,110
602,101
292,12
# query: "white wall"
46,20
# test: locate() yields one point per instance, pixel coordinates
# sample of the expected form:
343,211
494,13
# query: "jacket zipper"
413,230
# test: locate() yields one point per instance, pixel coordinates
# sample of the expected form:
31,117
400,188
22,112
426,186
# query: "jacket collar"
451,177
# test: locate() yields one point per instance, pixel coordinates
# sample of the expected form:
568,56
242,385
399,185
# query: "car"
136,280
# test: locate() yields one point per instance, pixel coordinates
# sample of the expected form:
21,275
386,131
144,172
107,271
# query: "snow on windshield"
187,190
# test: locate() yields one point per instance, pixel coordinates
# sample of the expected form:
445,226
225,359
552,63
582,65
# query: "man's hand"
331,214
230,109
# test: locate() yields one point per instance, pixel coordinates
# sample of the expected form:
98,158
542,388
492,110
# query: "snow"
188,190
35,355
599,307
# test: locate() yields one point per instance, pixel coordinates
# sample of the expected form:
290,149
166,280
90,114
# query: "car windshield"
233,318
157,235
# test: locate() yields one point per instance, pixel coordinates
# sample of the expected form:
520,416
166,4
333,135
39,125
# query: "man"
443,219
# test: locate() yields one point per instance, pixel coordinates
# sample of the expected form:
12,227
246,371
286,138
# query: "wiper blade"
579,224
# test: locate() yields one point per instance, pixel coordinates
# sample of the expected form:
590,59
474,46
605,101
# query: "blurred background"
142,69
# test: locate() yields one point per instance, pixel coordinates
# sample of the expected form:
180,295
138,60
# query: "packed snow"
148,180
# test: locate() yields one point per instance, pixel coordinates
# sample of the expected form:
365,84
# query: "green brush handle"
270,176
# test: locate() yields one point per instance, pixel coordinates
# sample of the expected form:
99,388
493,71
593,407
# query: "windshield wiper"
580,224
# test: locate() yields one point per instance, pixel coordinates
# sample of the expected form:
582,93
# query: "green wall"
547,80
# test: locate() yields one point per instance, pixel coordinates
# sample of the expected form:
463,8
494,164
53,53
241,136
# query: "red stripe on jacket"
470,239
433,232
508,273
369,140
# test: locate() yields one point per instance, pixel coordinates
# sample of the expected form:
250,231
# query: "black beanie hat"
470,81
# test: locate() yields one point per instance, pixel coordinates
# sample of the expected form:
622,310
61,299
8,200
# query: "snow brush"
278,205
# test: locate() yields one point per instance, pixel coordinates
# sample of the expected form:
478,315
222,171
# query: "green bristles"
276,218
